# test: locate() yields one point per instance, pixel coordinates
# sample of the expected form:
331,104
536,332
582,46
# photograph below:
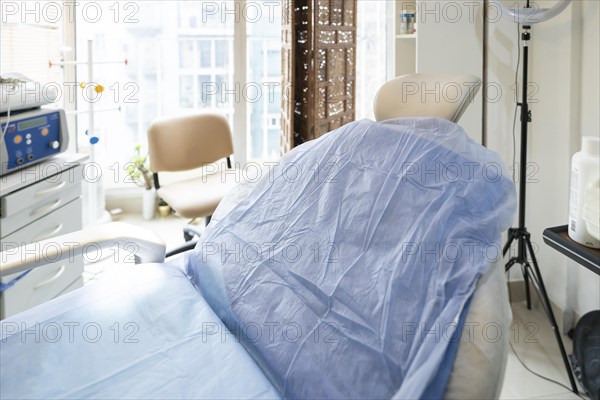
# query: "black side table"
558,238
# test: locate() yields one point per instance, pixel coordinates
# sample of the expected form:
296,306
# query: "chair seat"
198,197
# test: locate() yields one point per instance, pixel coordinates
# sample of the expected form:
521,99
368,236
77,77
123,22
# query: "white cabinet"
36,204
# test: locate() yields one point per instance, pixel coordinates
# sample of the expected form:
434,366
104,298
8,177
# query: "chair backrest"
426,95
188,142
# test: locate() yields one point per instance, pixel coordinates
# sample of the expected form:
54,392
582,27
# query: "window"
181,59
371,44
210,74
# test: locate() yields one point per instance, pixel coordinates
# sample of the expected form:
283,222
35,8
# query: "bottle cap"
591,145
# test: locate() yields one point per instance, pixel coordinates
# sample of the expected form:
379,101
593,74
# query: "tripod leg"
509,264
511,238
546,300
527,289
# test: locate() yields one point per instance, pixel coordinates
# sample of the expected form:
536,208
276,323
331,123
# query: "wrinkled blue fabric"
348,268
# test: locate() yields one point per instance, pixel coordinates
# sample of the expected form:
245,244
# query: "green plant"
139,169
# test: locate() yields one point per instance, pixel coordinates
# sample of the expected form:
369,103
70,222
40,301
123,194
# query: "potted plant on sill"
164,210
139,171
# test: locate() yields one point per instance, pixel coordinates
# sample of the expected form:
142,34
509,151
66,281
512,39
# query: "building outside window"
264,88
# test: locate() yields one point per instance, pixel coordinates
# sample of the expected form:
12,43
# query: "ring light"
530,16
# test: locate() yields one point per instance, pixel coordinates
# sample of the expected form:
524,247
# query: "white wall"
587,285
564,66
450,39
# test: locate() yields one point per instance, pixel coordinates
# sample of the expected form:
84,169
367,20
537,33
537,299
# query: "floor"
534,342
531,335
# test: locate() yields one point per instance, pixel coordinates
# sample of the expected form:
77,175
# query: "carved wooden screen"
321,80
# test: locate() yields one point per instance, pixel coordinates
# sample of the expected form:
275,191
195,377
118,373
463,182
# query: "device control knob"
55,144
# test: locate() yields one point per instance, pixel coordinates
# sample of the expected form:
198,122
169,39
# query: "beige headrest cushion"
426,95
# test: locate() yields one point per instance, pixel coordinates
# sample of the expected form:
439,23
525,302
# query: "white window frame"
240,109
70,75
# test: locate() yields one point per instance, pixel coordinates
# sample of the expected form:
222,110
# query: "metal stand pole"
520,234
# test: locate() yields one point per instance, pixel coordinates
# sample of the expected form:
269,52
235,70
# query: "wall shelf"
402,47
407,36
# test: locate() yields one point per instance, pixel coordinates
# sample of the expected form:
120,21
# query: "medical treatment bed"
364,265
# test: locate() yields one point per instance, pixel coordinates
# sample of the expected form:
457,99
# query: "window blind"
29,38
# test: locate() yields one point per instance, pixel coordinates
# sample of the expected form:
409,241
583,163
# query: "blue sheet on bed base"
142,333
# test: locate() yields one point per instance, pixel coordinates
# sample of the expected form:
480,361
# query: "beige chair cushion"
444,96
198,197
188,142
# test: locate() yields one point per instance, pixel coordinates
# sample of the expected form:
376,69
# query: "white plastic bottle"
585,170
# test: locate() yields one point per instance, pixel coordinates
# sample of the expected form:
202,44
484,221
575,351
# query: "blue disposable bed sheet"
347,269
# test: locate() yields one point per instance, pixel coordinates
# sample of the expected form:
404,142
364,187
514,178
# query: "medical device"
31,136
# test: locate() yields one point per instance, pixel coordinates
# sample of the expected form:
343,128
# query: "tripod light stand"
520,234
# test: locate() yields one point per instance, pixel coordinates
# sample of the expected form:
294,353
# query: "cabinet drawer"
40,285
65,219
47,282
43,192
37,210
